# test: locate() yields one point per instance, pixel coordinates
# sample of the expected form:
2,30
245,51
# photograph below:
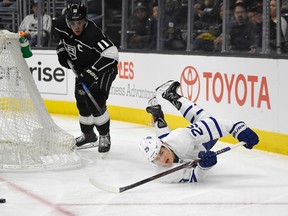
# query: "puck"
2,200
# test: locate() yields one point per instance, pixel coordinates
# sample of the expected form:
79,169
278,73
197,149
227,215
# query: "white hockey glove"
244,134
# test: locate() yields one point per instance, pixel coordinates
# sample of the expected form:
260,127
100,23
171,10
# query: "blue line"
187,110
208,129
199,111
163,135
217,126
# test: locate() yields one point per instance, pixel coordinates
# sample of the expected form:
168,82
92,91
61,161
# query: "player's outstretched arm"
192,174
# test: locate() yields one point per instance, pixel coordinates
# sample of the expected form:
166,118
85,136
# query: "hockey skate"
169,92
157,114
104,143
155,110
85,139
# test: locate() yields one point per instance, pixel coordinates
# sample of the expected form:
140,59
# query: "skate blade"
164,86
153,101
87,146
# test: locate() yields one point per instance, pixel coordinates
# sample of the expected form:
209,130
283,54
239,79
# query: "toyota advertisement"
252,89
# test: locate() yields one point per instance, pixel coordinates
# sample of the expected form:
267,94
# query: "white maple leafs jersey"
187,142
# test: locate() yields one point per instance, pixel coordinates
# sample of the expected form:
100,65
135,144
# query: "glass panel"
174,25
139,24
211,26
208,17
113,19
278,29
241,31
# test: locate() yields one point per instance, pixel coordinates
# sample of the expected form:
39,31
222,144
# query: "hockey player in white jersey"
169,148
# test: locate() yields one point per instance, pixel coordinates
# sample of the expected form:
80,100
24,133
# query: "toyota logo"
190,83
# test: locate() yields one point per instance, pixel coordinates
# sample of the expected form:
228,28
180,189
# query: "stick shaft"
86,89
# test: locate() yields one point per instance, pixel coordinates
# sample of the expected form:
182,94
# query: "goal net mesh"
29,138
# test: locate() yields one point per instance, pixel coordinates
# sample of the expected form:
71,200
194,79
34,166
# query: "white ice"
244,182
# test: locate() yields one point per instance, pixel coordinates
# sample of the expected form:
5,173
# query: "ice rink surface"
244,182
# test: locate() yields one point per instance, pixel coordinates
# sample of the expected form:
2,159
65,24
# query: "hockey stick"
112,189
86,89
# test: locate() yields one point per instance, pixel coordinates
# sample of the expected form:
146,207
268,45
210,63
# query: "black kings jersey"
86,50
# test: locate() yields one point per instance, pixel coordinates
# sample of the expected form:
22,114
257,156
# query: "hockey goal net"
29,138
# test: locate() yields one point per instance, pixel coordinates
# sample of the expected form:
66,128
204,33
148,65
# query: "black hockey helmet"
76,11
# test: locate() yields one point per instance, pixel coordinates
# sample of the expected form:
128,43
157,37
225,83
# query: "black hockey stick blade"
114,189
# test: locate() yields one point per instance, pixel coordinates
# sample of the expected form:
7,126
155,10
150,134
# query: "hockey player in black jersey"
94,58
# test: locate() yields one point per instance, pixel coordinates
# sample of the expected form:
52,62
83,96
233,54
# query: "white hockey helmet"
150,147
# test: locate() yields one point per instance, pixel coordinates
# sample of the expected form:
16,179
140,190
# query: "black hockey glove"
62,56
89,76
208,159
244,134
